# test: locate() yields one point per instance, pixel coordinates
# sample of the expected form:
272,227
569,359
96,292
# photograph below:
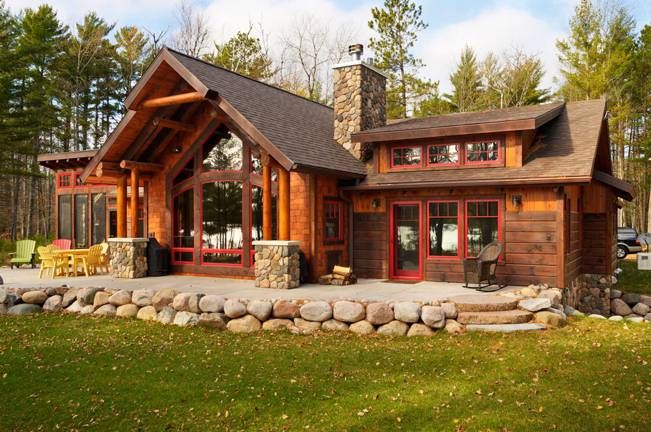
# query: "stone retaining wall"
128,257
590,293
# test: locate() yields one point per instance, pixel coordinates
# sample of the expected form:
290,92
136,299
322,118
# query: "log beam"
177,99
172,124
141,166
267,213
283,204
122,206
108,169
135,183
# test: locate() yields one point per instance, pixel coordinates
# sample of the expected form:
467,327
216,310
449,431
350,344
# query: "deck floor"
365,289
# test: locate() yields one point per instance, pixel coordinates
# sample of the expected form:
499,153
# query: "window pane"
443,154
184,257
99,217
65,218
184,221
332,220
221,258
406,156
186,172
492,208
481,231
223,154
256,212
222,215
81,221
443,230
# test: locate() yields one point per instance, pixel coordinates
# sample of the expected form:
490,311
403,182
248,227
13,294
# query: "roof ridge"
246,77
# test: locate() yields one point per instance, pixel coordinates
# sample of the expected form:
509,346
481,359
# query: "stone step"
484,303
506,328
495,317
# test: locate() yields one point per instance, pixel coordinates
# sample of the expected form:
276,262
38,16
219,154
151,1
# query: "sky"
485,25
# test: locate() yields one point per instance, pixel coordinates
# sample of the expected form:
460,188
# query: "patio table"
75,256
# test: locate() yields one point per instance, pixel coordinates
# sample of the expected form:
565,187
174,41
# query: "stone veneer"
590,293
128,257
359,104
277,264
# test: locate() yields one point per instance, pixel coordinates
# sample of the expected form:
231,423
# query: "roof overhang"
621,188
66,160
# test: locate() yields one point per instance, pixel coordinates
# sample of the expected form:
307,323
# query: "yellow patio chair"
51,261
105,255
95,259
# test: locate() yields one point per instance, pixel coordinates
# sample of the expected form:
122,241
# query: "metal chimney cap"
356,51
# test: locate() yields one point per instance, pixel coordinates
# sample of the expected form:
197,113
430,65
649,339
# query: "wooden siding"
596,258
371,245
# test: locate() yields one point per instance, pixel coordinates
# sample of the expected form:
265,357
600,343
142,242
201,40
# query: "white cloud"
496,30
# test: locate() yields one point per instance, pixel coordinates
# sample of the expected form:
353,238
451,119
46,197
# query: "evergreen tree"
466,83
433,104
131,54
397,25
243,54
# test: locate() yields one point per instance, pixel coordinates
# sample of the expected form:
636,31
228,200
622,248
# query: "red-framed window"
443,229
442,154
406,156
483,224
333,216
65,180
222,232
183,229
483,152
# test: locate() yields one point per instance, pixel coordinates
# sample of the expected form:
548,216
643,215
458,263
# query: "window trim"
181,249
497,161
458,145
499,216
459,230
405,167
340,234
70,175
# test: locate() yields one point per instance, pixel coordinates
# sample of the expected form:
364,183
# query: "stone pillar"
590,293
128,257
277,264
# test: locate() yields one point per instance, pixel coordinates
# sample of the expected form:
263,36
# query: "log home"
221,161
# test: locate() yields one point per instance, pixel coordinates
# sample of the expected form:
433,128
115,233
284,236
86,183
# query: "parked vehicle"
645,241
627,242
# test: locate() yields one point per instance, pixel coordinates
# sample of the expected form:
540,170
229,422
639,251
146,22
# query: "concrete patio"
365,289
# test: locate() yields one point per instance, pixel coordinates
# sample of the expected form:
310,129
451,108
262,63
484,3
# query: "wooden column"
135,180
122,206
267,211
283,204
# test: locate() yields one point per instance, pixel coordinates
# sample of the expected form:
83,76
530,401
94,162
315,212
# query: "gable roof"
500,120
568,153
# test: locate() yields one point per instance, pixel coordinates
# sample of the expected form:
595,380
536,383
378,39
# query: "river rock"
453,327
276,324
619,307
87,310
596,316
53,304
163,297
433,316
142,297
641,309
3,294
107,310
36,297
245,324
408,312
362,327
420,330
127,311
213,320
550,319
535,304
348,311
631,298
234,308
3,309
305,326
24,309
166,315
379,313
101,298
69,297
147,313
75,307
120,298
286,309
212,303
615,293
394,328
554,295
616,318
634,318
185,319
261,309
318,311
186,302
449,310
647,317
334,325
646,299
86,296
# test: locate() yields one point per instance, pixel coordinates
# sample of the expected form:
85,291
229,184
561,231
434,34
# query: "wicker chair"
480,270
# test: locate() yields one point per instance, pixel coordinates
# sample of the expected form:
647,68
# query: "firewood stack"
339,276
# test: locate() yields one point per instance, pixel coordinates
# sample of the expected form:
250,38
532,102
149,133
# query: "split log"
342,271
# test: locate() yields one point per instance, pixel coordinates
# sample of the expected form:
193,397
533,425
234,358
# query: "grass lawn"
85,373
634,280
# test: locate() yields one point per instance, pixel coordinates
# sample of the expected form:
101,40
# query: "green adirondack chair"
24,253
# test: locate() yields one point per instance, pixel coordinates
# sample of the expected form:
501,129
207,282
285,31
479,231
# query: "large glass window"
332,220
183,224
442,154
483,224
81,221
482,151
98,218
405,157
186,172
223,154
65,217
443,228
222,235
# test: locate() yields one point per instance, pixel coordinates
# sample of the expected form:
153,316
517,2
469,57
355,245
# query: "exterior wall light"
516,200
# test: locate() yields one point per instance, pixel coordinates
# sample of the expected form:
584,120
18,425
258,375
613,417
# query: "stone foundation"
128,257
277,264
590,294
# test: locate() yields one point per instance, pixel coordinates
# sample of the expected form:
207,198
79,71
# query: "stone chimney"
359,100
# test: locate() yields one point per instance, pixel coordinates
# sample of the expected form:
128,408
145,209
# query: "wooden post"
283,204
122,205
267,211
135,174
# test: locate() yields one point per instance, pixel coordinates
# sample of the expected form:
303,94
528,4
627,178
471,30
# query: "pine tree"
397,25
466,82
131,54
243,54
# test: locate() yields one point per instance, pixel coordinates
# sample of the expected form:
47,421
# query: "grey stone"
87,310
615,293
147,313
631,298
641,309
166,315
334,325
36,297
101,298
450,310
3,308
616,318
420,330
596,316
69,297
394,328
535,304
553,294
86,296
120,298
286,309
453,327
647,317
316,311
163,297
142,297
407,312
634,318
75,307
379,313
24,309
646,299
619,307
186,302
53,304
347,311
506,328
261,309
212,303
185,319
234,308
433,316
127,311
3,294
213,320
245,324
106,310
362,327
276,324
306,327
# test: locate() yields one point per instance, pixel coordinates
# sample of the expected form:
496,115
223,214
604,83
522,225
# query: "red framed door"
405,247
